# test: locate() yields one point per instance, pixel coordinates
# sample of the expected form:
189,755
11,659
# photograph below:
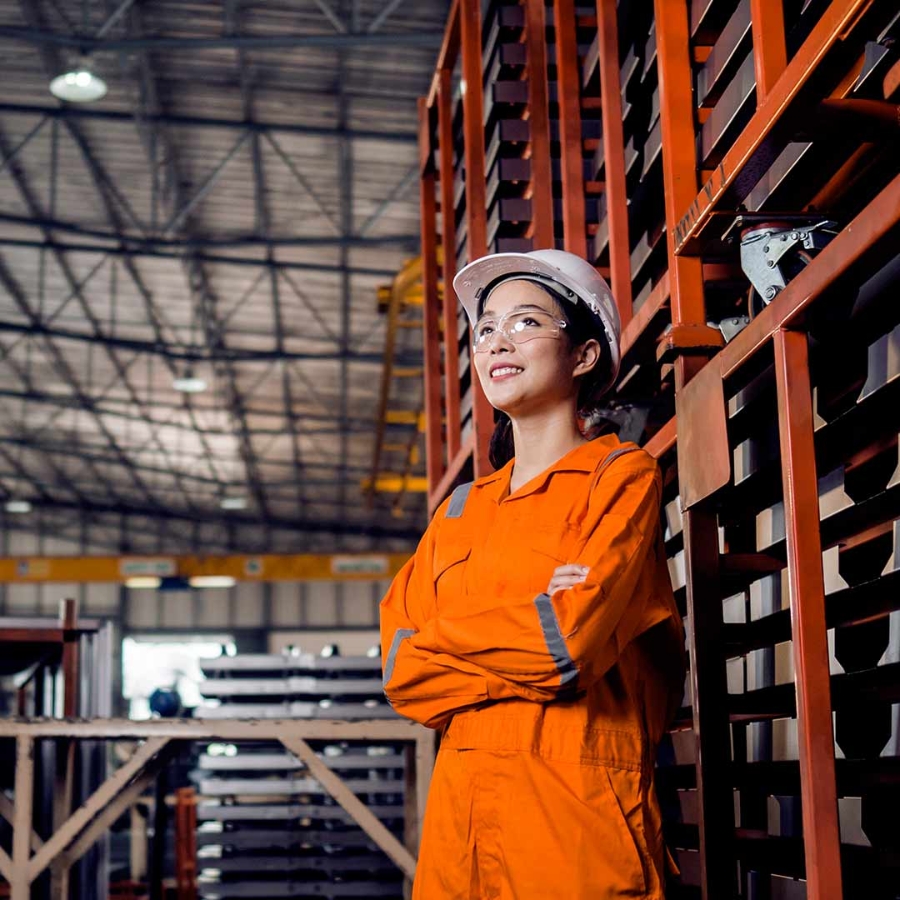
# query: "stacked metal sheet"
267,829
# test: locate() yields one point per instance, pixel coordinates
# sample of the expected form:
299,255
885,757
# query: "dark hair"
581,326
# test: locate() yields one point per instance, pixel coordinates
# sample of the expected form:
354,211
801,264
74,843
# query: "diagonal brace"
111,813
363,816
93,807
6,864
8,812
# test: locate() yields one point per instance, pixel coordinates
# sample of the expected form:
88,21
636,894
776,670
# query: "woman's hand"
566,577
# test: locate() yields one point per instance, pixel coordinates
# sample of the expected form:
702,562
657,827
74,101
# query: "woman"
535,624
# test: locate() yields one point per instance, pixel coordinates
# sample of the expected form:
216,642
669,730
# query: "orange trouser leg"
514,826
447,867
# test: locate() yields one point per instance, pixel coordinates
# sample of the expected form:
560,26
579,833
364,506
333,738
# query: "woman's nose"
497,345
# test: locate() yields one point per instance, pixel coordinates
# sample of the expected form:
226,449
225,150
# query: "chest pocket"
449,574
561,542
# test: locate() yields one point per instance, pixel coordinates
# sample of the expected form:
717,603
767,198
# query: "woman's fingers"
567,577
571,569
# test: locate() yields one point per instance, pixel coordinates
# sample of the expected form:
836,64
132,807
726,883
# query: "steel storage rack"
267,827
57,668
732,167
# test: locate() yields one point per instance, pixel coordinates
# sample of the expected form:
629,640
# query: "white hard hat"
570,277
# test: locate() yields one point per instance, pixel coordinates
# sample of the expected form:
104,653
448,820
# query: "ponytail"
502,448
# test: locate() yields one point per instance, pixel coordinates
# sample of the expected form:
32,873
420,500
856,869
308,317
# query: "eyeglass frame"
498,328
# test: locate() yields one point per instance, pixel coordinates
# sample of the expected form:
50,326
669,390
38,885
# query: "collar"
584,458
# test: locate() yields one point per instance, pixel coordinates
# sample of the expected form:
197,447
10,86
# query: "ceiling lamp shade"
234,502
189,384
18,506
78,85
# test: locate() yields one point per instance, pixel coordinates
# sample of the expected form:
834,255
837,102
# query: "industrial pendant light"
79,85
189,383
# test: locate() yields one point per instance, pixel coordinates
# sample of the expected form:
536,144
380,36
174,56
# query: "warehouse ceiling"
225,213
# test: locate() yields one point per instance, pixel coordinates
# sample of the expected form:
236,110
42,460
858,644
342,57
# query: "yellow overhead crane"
265,567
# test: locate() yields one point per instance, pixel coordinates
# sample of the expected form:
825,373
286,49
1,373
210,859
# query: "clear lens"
518,327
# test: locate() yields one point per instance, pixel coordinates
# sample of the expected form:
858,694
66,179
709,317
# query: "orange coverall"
551,707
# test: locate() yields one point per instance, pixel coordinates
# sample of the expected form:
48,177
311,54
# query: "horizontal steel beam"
212,516
110,115
153,253
123,409
217,729
188,243
198,355
330,41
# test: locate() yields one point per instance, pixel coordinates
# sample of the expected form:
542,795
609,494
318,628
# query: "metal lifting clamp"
774,249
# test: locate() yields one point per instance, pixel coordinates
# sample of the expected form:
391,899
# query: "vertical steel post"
679,162
186,844
769,47
539,125
709,692
568,89
430,303
65,749
821,831
24,797
476,193
444,101
614,157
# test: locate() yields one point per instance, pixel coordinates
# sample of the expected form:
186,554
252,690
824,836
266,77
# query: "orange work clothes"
567,695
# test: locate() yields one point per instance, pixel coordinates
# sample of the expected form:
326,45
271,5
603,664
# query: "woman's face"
524,378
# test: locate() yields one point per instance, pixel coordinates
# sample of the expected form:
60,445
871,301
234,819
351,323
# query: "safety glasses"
518,326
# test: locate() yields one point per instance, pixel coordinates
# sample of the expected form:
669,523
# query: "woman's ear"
587,357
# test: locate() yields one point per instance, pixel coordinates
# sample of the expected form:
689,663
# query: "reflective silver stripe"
400,635
458,500
556,644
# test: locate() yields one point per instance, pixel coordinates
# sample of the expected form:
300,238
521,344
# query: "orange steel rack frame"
659,138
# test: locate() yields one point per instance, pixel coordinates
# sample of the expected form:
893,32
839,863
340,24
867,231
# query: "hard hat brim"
471,280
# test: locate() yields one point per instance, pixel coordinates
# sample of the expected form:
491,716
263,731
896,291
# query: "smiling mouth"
505,371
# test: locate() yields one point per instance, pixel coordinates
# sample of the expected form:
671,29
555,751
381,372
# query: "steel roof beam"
337,526
69,112
345,177
65,482
282,266
51,449
59,361
389,8
303,182
263,227
153,314
66,401
103,185
145,239
338,41
224,355
411,176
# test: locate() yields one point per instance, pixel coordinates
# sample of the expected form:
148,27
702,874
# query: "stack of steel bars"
267,828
